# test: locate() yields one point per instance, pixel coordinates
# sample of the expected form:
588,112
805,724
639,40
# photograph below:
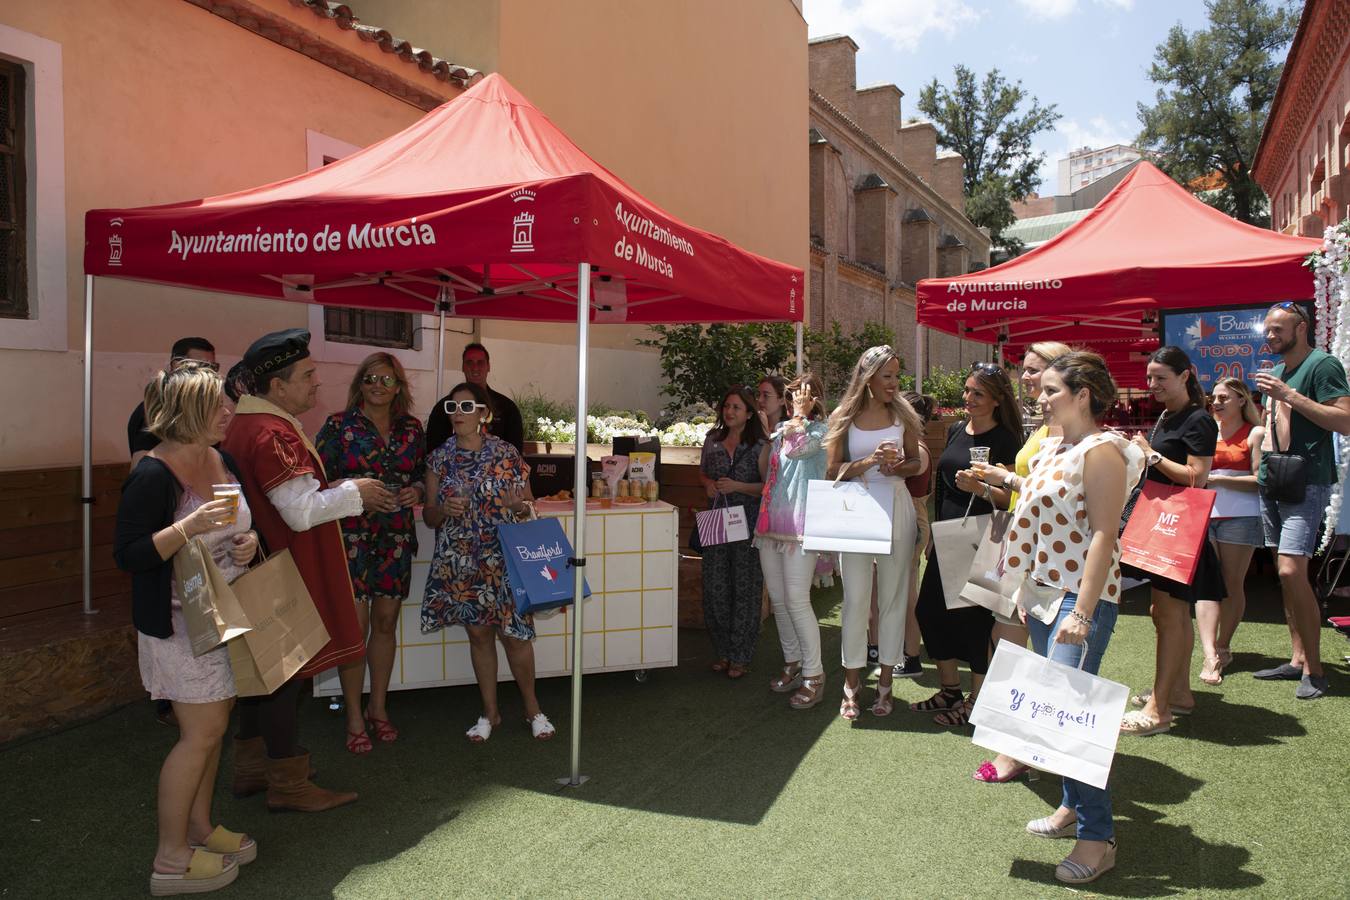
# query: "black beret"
274,352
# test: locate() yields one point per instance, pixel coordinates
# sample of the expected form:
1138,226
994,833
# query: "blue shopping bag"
536,565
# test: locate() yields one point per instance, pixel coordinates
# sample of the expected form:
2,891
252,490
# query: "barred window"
13,194
395,330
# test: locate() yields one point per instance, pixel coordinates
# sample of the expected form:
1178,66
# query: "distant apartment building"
1303,162
887,209
1086,165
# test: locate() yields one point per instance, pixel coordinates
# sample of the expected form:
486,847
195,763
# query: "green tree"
1216,87
700,362
832,354
991,123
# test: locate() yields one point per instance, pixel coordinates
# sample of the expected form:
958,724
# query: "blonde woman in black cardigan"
166,502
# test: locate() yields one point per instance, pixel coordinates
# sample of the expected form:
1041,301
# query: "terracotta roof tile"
342,15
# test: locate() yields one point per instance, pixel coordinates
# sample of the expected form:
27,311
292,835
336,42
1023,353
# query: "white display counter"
628,623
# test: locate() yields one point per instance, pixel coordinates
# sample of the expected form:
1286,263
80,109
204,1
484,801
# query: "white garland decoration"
1331,294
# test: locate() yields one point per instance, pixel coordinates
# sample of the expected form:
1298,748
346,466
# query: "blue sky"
1089,57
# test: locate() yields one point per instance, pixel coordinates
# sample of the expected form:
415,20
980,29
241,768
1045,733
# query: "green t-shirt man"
1321,378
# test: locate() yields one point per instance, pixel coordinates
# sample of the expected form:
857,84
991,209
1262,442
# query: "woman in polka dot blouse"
1063,557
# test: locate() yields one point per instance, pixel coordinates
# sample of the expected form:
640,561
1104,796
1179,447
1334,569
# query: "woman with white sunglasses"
474,483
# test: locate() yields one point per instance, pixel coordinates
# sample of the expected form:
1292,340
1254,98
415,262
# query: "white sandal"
480,732
541,727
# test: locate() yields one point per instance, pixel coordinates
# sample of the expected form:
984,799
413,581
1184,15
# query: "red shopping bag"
1167,530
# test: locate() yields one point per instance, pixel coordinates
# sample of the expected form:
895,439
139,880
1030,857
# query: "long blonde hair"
856,396
1250,413
402,401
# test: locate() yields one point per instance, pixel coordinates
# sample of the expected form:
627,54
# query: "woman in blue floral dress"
475,482
376,437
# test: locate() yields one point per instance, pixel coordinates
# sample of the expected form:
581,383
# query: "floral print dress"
467,582
380,546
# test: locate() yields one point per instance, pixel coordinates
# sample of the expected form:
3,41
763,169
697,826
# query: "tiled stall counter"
628,622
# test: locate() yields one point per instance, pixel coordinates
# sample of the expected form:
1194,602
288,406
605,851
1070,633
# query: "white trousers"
892,578
788,577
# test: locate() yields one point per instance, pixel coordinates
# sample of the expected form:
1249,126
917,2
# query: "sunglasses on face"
386,380
464,407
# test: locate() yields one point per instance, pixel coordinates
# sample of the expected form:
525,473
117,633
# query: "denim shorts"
1245,530
1293,527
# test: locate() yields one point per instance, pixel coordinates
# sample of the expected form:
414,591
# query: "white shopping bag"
849,516
1049,715
722,524
954,544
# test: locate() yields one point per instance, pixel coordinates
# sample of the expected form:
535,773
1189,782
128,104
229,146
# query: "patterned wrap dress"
380,546
467,582
733,581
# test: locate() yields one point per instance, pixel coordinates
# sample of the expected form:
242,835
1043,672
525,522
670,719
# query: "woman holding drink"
1062,553
474,482
164,505
874,428
796,456
1235,524
376,437
991,434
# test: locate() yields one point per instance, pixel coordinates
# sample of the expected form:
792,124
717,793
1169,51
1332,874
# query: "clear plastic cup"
228,492
394,488
979,455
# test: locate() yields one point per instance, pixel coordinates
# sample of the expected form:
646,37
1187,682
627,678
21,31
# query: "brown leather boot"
288,788
250,767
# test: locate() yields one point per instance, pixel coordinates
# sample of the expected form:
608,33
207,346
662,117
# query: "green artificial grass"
705,787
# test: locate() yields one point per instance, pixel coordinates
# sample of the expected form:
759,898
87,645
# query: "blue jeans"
1092,805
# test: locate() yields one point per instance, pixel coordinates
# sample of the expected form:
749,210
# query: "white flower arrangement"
603,430
1331,293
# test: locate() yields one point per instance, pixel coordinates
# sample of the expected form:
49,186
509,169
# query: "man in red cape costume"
293,508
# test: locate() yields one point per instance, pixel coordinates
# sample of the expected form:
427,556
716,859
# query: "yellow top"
1022,467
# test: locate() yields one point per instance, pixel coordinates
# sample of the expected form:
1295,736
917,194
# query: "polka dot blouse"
1048,539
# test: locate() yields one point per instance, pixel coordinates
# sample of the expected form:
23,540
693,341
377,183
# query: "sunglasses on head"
1295,308
386,380
985,368
465,407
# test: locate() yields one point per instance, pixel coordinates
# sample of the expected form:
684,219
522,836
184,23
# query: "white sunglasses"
466,407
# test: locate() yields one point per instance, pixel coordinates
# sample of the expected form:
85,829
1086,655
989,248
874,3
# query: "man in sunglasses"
140,441
1307,399
505,422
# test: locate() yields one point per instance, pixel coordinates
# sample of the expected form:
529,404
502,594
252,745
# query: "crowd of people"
1062,551
343,505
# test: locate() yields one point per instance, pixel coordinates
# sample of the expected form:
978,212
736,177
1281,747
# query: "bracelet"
1080,617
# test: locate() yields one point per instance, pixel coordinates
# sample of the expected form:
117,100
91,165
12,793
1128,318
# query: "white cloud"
902,23
1059,9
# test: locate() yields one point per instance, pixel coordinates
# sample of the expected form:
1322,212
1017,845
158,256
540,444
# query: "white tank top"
862,443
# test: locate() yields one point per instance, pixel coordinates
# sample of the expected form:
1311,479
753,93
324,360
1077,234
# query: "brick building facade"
1303,162
886,210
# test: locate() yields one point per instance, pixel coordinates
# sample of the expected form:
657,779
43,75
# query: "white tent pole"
799,348
579,491
87,449
920,357
440,339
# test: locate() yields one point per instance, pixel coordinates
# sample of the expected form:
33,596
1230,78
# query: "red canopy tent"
1148,245
482,208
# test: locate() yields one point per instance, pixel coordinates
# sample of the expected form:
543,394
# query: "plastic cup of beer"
890,452
228,492
979,455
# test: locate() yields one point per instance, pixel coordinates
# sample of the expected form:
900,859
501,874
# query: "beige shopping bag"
287,631
985,586
210,608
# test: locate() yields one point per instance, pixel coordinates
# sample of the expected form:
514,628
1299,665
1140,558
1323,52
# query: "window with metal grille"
395,330
13,195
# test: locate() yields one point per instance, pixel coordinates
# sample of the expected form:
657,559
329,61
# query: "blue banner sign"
1221,343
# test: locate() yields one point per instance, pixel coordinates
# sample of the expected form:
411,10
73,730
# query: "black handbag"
1286,473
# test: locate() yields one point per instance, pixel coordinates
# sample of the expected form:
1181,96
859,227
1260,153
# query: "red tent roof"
1147,245
484,196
